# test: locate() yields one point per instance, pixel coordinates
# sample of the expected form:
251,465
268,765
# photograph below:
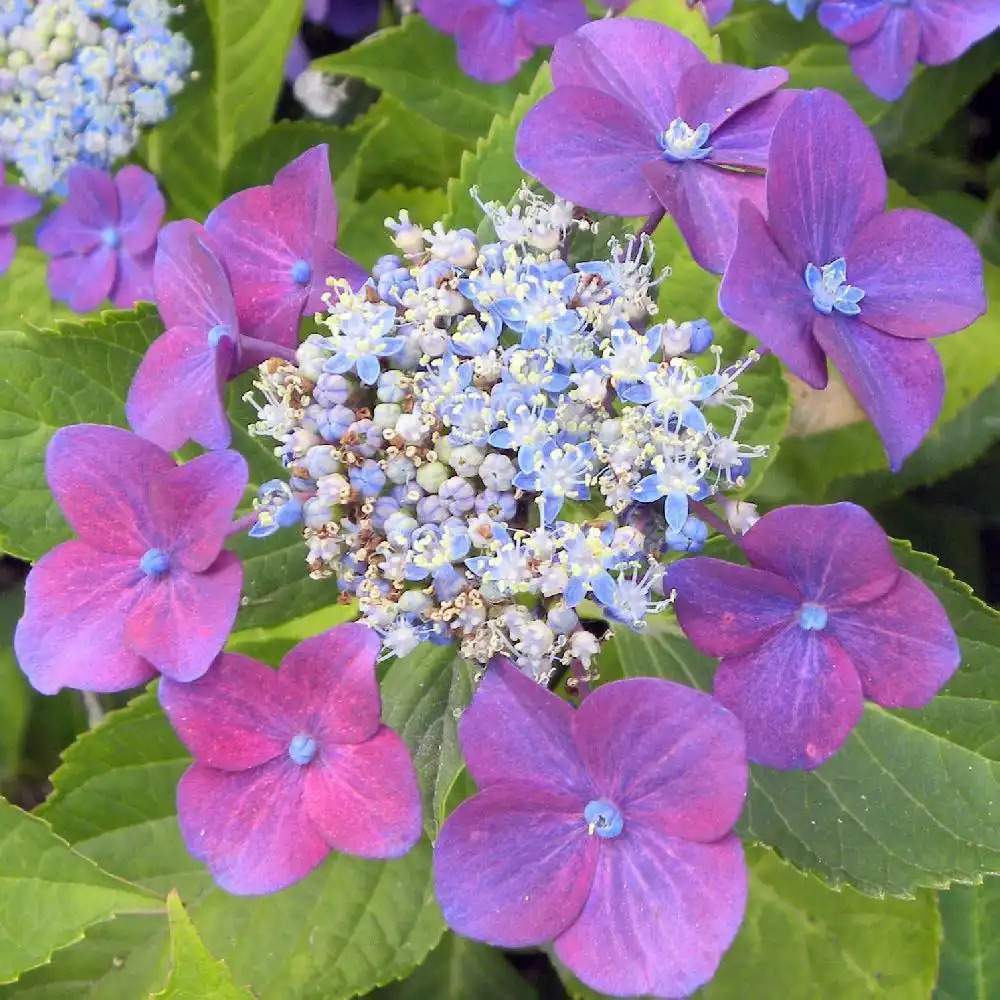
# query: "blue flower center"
302,749
830,289
217,333
812,617
603,818
302,272
680,142
111,237
154,562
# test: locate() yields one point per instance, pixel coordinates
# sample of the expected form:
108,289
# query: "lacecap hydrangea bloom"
485,436
80,79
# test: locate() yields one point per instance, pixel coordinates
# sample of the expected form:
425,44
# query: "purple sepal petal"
329,681
192,506
16,204
950,27
902,645
666,755
442,14
93,197
725,609
513,865
100,477
544,22
745,140
761,293
83,282
713,93
176,393
899,383
297,59
71,635
181,621
223,718
8,247
302,204
249,827
672,907
489,46
798,696
134,279
716,10
837,554
851,21
63,233
515,726
922,276
825,179
352,18
589,148
886,61
364,798
142,208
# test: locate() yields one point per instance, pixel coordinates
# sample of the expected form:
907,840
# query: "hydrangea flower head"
291,763
496,36
147,586
639,119
278,243
16,205
81,80
887,38
822,618
830,274
103,237
589,821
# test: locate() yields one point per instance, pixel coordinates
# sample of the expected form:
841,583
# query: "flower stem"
241,524
655,218
707,514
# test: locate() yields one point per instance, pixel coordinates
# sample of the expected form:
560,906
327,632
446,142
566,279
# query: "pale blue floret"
812,617
680,142
603,818
302,749
555,473
277,507
678,481
830,289
154,562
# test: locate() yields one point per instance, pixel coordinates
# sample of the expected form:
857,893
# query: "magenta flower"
887,38
176,394
496,36
16,205
831,274
278,243
147,586
606,829
821,619
640,119
291,764
102,238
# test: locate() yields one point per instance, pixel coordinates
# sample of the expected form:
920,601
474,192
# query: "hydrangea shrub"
430,543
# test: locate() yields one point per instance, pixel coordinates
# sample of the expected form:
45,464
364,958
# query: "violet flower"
176,394
147,585
496,36
291,764
102,238
16,205
887,38
590,821
278,243
821,619
831,274
640,119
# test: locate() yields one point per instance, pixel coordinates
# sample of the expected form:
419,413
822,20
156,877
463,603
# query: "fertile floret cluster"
485,437
79,79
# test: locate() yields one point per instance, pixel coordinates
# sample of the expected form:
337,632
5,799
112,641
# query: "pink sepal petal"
71,635
513,865
660,915
902,645
666,755
181,621
223,717
303,205
249,827
100,477
364,798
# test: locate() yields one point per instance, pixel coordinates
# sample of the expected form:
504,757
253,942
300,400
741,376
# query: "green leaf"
802,940
26,298
423,695
51,893
416,64
194,974
460,969
15,695
363,235
348,927
240,48
681,17
271,644
912,799
970,952
492,167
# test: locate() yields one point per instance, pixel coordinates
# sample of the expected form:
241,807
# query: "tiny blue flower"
830,289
